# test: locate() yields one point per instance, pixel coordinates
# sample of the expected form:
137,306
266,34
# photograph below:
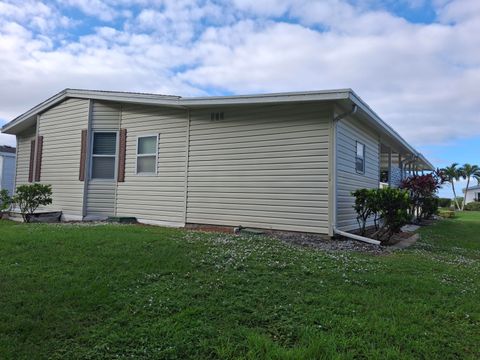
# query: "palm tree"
468,171
477,177
452,174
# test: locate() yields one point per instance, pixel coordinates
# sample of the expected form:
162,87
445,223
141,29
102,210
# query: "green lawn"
69,291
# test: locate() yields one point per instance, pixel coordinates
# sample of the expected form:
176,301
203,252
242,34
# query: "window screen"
360,158
147,149
104,155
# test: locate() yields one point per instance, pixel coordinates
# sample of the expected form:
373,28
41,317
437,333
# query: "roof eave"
389,130
136,98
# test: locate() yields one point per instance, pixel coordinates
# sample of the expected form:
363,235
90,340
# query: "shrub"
444,202
446,213
389,204
5,201
422,191
472,206
30,197
393,207
366,205
428,207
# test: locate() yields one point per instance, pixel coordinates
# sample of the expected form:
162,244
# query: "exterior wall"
100,199
7,172
262,166
23,155
472,194
396,176
61,128
158,198
349,131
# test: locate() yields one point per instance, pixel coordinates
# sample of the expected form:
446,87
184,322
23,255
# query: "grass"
122,291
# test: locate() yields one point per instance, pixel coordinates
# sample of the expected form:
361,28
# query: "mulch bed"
326,244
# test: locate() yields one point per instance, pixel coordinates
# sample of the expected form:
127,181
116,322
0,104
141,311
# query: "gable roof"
476,187
345,97
7,149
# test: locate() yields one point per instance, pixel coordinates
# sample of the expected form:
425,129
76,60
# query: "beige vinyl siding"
100,198
61,128
156,198
101,193
349,131
262,166
106,116
23,155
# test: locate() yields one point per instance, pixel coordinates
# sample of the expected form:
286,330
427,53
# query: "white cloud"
420,78
458,11
96,8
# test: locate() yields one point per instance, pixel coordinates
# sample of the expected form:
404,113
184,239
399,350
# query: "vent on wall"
215,116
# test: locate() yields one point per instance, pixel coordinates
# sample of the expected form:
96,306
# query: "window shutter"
83,156
38,162
121,155
32,159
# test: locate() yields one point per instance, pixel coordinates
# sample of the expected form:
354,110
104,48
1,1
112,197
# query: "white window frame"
357,157
92,155
137,155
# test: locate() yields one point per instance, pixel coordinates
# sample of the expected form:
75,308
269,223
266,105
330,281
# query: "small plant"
422,190
473,206
363,207
30,197
447,214
428,207
388,204
5,202
444,202
393,207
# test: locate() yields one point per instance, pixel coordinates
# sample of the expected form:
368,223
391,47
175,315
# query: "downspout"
336,120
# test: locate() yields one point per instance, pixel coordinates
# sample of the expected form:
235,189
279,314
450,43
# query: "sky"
415,62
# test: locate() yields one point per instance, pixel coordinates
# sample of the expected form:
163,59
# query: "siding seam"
187,160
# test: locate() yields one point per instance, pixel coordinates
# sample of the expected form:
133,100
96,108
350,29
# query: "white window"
360,158
104,155
147,150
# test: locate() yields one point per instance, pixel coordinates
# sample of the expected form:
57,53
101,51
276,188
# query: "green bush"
394,205
30,197
389,204
366,206
429,207
444,202
472,206
5,201
446,213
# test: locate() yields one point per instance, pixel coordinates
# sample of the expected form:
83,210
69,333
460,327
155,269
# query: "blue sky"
415,62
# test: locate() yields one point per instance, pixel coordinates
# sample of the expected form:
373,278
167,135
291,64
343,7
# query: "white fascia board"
193,102
34,111
306,96
137,98
175,101
388,129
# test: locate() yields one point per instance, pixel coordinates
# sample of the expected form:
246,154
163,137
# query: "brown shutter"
38,162
121,155
32,159
83,156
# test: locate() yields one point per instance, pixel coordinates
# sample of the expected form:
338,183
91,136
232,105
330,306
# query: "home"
473,194
286,161
7,168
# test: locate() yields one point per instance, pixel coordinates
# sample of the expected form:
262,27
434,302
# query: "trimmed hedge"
447,214
473,206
